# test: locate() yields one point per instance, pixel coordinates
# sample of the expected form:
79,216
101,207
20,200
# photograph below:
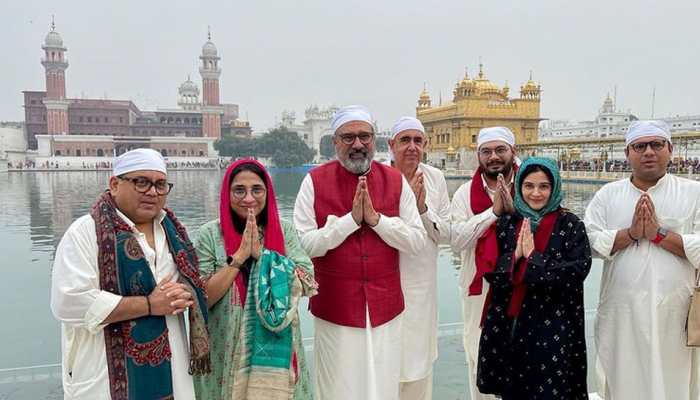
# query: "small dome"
485,86
530,84
424,95
189,88
209,49
53,39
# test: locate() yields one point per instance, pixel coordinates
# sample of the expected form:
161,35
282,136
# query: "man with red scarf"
354,217
475,207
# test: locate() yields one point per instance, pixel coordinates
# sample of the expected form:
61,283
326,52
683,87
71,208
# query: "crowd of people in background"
106,165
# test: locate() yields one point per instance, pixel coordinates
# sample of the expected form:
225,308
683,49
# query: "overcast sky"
287,55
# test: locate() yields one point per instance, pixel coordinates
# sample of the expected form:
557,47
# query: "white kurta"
357,363
80,305
467,228
419,348
644,294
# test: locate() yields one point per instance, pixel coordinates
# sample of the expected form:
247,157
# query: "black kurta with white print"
541,354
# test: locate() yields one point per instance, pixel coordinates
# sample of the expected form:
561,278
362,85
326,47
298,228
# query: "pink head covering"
274,238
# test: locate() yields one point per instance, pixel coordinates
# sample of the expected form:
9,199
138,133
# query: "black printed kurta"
542,353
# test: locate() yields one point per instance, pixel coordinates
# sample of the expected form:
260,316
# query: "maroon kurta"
363,269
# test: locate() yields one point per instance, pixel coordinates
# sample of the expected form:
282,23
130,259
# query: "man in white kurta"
647,229
357,363
84,309
496,155
419,348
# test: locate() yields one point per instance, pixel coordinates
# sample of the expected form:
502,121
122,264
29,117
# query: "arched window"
184,152
164,152
201,153
77,152
100,153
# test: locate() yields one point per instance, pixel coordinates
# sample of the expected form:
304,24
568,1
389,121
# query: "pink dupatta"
274,238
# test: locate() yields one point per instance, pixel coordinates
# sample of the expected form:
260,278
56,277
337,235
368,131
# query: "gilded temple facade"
477,103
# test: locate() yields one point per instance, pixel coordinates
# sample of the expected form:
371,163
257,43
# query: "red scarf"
274,238
542,235
486,254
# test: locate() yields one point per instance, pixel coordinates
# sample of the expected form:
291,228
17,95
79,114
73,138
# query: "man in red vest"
475,207
354,217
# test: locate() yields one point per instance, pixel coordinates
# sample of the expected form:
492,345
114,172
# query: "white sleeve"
467,228
76,297
437,221
314,240
405,232
691,242
601,238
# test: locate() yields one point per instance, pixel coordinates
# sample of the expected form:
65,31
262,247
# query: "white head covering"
351,113
640,129
495,133
139,160
404,124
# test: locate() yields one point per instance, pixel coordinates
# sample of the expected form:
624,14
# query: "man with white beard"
354,217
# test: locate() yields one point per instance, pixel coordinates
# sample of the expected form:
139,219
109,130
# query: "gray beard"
358,167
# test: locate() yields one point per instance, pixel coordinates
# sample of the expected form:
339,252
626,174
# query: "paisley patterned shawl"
138,351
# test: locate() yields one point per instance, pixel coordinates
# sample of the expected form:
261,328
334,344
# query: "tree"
327,147
285,148
236,147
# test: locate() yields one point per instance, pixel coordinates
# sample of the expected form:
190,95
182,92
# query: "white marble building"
13,142
608,122
316,124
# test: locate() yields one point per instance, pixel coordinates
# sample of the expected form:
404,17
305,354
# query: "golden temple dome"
483,85
530,84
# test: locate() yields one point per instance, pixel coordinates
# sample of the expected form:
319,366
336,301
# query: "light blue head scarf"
555,197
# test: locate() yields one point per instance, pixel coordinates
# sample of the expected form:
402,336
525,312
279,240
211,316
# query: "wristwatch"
230,262
661,234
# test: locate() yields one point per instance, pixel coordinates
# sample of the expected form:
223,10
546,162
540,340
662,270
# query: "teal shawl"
138,351
555,197
266,365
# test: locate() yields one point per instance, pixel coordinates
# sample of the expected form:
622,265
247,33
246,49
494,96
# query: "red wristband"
658,238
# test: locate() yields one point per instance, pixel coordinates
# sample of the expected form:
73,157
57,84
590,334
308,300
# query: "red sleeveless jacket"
363,269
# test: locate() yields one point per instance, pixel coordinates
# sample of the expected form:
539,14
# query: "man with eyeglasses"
647,230
355,217
419,347
122,277
476,205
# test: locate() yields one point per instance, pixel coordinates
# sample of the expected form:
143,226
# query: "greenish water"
36,208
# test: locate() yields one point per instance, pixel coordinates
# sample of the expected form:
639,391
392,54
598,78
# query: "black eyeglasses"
349,138
656,145
143,184
258,192
500,151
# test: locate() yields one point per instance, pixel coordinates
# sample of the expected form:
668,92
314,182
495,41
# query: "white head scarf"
640,129
495,133
139,160
404,124
351,113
